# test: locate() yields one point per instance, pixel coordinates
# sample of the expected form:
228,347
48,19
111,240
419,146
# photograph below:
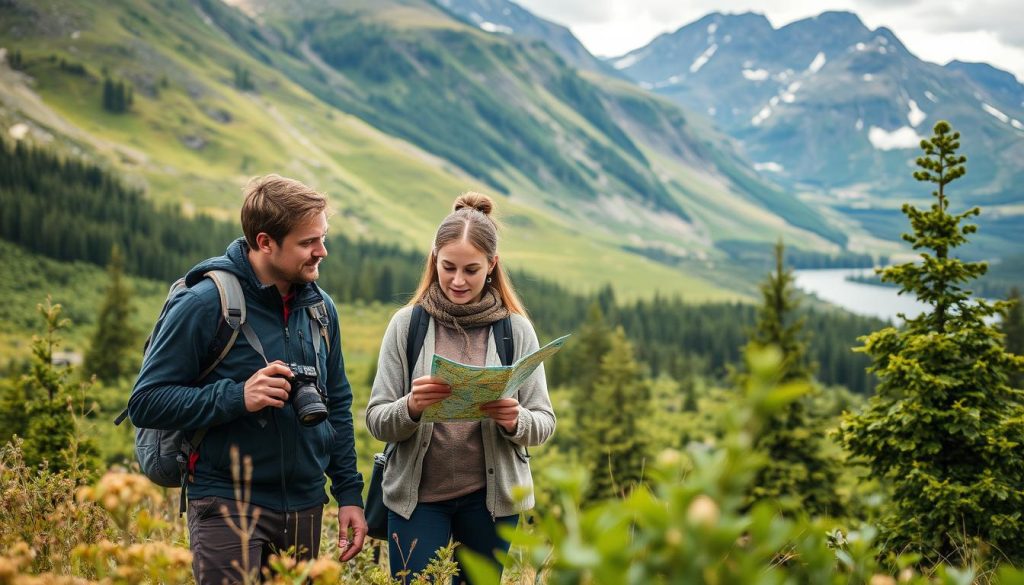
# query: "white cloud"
755,74
904,137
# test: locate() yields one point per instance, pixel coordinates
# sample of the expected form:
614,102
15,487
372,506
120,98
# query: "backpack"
168,457
375,512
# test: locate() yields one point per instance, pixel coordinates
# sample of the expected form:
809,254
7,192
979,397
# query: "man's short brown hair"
275,205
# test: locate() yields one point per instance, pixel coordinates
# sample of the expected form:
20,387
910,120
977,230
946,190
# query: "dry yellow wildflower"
703,511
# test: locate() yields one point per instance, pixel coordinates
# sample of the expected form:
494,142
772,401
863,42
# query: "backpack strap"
318,322
232,312
503,342
418,324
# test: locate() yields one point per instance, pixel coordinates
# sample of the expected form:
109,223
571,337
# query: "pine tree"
108,95
1013,328
797,475
51,433
944,428
611,411
110,354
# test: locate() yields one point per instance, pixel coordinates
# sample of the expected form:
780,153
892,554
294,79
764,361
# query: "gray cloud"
571,12
997,16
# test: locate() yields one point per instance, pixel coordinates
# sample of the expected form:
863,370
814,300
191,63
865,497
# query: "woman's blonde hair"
471,220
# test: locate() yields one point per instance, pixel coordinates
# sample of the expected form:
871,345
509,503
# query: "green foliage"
1012,327
243,78
692,525
117,96
14,59
39,511
1002,277
777,323
797,475
945,428
112,351
50,431
71,210
612,404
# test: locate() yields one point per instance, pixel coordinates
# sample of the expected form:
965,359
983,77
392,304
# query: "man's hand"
426,391
505,412
351,517
267,387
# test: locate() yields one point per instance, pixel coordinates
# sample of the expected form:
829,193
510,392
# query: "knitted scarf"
487,310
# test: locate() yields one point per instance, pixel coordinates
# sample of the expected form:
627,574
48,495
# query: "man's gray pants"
217,558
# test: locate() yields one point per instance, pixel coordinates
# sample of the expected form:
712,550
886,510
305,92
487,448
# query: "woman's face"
462,271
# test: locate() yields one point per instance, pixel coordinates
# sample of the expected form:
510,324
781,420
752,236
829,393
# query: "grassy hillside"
440,108
192,137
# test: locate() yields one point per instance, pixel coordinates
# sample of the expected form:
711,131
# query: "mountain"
827,105
503,16
394,107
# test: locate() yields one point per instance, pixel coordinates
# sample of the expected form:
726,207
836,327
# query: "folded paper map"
474,386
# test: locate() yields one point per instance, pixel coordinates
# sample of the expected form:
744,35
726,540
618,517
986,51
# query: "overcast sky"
939,31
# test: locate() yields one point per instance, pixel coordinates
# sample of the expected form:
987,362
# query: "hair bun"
474,200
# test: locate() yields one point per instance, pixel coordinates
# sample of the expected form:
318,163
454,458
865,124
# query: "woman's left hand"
505,412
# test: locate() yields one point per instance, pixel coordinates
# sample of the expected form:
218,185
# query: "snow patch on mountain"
995,113
675,79
703,58
756,74
630,60
496,28
915,116
903,137
761,116
818,62
770,166
789,95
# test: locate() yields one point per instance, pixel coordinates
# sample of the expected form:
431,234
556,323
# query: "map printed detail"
473,386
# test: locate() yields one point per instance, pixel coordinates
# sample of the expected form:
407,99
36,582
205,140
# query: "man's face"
297,259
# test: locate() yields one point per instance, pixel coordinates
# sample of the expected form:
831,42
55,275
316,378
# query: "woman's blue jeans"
464,519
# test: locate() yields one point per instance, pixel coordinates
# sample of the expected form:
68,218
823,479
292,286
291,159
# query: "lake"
864,299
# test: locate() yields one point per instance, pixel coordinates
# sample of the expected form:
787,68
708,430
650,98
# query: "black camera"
310,406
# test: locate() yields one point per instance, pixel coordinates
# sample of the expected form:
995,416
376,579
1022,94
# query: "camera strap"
254,341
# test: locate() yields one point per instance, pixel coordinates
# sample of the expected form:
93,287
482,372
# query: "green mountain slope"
393,108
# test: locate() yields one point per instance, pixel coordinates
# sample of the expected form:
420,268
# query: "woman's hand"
426,390
505,412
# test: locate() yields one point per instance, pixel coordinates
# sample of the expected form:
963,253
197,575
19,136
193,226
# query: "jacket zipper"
280,434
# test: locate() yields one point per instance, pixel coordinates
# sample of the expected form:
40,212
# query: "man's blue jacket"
289,460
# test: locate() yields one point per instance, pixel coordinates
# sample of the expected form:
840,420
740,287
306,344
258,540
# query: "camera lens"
308,406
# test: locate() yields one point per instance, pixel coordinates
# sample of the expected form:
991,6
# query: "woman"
455,480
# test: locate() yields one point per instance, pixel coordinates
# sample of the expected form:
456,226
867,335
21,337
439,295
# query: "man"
244,402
